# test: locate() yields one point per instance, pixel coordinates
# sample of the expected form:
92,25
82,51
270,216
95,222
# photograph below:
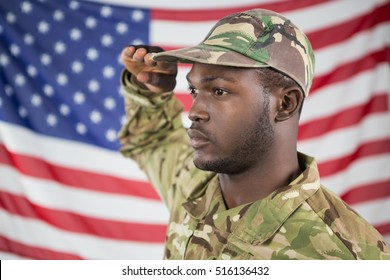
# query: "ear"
289,102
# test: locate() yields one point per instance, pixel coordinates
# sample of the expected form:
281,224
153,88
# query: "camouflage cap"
254,38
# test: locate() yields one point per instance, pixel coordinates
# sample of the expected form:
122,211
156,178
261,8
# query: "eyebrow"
211,78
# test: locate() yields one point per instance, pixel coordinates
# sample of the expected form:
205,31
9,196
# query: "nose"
198,111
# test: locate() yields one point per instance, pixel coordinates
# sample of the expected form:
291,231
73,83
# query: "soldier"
234,183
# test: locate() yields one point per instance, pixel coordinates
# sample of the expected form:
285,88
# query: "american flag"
67,193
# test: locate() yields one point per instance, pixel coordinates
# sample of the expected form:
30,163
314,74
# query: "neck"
261,180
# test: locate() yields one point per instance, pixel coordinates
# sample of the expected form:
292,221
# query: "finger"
143,77
151,78
148,60
127,53
139,55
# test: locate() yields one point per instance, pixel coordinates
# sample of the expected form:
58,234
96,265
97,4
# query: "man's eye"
192,91
219,91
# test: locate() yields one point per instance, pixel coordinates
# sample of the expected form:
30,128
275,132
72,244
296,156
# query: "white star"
106,11
62,79
26,7
51,120
23,112
137,15
137,42
123,120
108,72
36,100
20,80
111,135
92,54
48,90
109,103
74,5
32,71
90,22
79,97
120,91
75,34
59,47
58,15
10,18
4,60
64,109
9,91
119,59
81,128
122,28
95,116
45,59
1,101
77,66
15,50
93,86
107,40
43,27
28,39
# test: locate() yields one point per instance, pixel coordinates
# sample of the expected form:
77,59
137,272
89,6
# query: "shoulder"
360,237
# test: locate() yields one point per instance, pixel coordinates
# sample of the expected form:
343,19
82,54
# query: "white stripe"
38,234
108,206
186,121
354,48
387,238
182,83
348,93
9,256
376,212
338,143
170,33
70,154
362,171
179,4
329,13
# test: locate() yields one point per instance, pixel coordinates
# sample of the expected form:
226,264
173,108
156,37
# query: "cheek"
230,127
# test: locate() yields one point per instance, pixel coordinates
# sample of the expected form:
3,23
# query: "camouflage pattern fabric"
255,38
303,220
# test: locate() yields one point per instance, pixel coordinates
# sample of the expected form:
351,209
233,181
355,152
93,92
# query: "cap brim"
208,55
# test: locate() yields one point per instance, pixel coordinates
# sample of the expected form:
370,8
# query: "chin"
218,166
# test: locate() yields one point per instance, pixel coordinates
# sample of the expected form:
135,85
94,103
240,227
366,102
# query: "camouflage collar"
255,222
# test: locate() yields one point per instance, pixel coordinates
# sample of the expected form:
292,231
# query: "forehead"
201,72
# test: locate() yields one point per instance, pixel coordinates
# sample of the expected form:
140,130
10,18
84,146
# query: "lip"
197,138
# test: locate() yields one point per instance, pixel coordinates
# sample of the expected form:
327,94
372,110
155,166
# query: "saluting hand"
156,76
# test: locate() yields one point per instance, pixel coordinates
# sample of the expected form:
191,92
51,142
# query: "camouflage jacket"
303,220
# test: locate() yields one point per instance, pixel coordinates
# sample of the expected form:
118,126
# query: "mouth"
197,139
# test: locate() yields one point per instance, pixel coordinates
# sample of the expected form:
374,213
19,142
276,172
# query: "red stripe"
348,70
344,118
383,228
65,220
33,252
36,167
211,14
320,38
185,99
367,192
368,149
343,31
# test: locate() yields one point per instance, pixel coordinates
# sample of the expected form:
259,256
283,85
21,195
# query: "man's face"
231,129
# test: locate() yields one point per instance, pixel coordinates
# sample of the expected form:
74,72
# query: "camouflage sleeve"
153,135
